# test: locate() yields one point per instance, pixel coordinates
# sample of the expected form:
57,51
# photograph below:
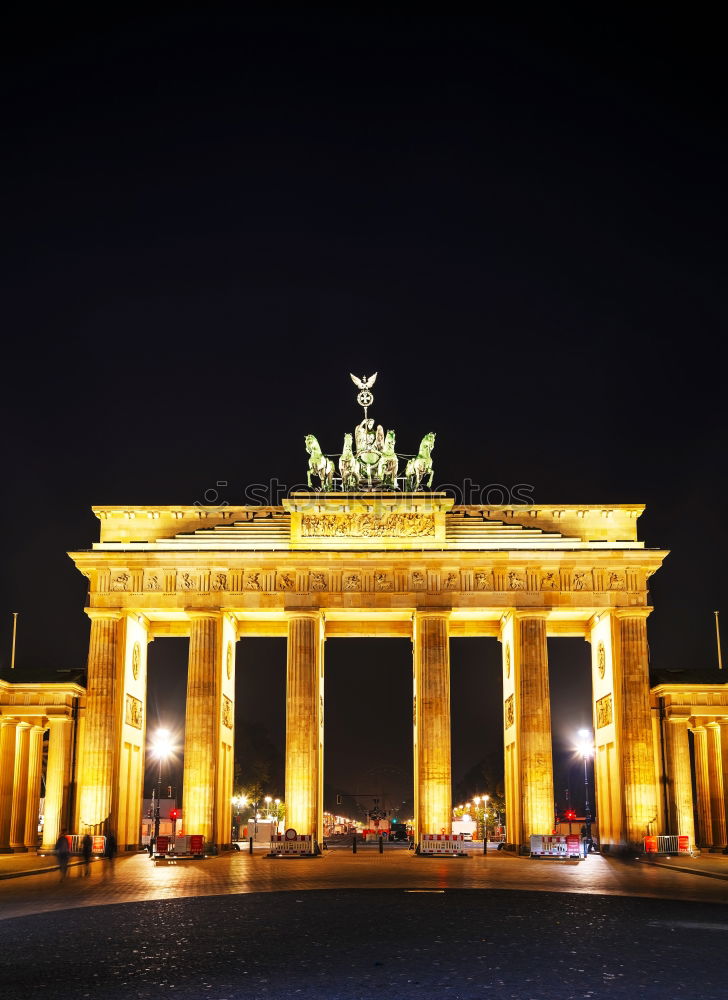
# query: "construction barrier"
301,844
555,845
441,843
668,844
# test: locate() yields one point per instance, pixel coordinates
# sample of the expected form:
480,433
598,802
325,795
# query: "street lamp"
586,749
268,800
161,748
238,801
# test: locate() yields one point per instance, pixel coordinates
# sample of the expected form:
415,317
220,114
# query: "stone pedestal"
98,753
433,782
304,724
679,774
202,725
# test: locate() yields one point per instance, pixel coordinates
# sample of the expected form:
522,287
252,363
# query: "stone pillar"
432,719
715,782
533,710
702,783
637,751
35,769
680,777
99,750
8,729
723,726
304,720
57,780
202,725
20,787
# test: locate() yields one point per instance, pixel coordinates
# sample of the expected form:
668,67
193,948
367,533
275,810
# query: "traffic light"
173,814
569,814
338,800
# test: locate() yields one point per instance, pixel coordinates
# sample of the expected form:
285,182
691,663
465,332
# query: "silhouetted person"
152,842
63,853
86,846
110,851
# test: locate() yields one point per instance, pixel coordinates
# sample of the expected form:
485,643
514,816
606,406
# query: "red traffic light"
173,814
569,814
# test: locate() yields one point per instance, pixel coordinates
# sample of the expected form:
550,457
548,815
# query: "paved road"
394,925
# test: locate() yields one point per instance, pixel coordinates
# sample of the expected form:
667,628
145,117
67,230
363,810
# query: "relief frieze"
227,712
396,525
509,712
134,712
604,711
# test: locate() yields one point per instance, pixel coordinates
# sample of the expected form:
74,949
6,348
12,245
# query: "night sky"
209,220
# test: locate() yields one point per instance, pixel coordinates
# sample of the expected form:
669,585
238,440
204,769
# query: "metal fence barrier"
678,843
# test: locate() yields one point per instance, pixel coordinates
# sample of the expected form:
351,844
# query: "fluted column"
32,800
715,782
98,754
723,726
679,773
57,779
534,726
432,720
638,758
20,787
702,784
304,718
202,722
8,729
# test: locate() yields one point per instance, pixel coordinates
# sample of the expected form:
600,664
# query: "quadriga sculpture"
318,464
419,467
348,466
388,464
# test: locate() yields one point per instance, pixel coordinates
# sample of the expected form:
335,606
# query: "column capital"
643,612
315,614
195,614
520,613
422,613
104,614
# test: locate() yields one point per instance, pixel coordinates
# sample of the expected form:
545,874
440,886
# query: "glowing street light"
161,746
585,747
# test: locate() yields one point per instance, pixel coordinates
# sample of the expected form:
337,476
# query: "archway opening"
368,766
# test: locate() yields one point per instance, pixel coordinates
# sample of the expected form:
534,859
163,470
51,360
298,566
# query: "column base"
19,849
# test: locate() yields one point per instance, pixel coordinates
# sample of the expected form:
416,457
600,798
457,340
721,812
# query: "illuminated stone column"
99,750
432,713
202,724
304,721
57,779
723,726
637,751
679,772
8,728
716,787
35,770
533,709
20,787
702,784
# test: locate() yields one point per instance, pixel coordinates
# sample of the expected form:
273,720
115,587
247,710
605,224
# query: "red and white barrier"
554,846
441,843
302,843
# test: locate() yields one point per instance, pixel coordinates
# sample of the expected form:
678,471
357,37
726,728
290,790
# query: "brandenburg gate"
368,553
